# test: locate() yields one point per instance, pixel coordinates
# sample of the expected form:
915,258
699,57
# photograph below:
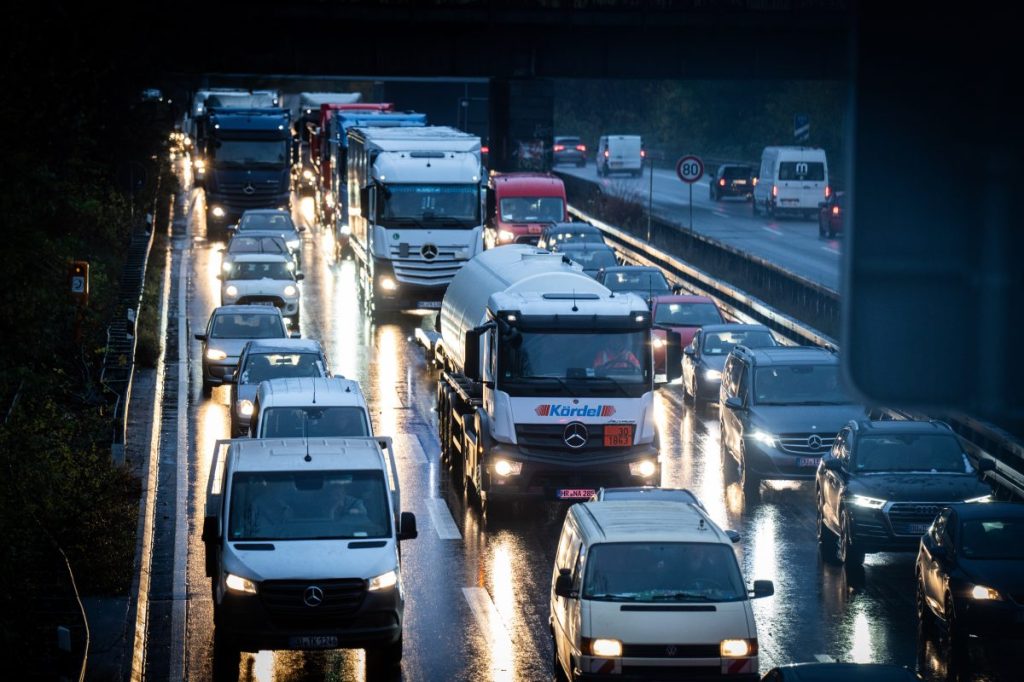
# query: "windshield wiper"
615,597
683,596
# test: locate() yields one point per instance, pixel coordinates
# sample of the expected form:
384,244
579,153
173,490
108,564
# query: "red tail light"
775,190
485,150
828,191
559,147
722,182
606,153
581,147
835,210
643,153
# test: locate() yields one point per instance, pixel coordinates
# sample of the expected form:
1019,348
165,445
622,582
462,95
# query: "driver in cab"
615,355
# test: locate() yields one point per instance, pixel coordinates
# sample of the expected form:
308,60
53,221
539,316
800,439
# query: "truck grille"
806,444
907,518
551,437
286,598
412,266
671,651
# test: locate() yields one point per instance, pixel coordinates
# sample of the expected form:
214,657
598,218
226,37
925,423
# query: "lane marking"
487,616
831,249
773,230
442,519
824,658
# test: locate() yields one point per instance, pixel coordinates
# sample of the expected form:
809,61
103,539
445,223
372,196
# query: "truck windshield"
308,505
532,210
575,363
434,206
663,572
266,366
313,421
250,152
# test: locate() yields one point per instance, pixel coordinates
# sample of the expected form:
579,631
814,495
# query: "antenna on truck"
575,308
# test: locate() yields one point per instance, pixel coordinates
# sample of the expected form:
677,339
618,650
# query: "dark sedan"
970,571
591,257
704,357
731,180
831,213
557,234
642,280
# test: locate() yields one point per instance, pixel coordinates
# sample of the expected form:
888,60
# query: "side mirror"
563,585
364,201
295,335
408,530
986,464
302,228
677,288
734,403
232,228
763,588
733,535
471,355
200,337
689,351
833,464
211,529
299,276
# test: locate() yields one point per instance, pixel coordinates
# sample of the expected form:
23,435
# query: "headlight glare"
226,266
245,408
238,584
609,648
737,648
387,284
983,593
504,467
763,437
290,290
505,236
867,502
215,354
218,212
231,290
712,375
384,581
645,468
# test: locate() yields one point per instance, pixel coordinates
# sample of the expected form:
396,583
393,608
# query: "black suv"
781,410
883,483
732,180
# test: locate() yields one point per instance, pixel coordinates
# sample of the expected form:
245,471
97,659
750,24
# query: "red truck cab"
522,205
684,314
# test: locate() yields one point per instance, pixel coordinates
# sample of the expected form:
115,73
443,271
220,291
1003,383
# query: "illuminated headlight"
608,648
384,581
982,593
214,354
308,174
226,267
387,284
345,229
645,468
290,291
231,291
199,164
659,342
245,408
218,212
712,375
737,648
330,201
290,265
984,499
763,437
293,244
505,236
867,502
238,584
503,467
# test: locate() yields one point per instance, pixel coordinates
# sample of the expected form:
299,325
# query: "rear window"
247,326
812,171
593,260
567,141
736,172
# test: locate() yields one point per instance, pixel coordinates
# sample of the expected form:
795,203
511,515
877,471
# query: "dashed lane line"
442,519
491,624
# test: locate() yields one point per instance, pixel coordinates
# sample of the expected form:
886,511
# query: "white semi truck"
416,211
547,385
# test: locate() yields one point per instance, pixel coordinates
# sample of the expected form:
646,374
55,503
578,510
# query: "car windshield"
257,245
266,366
532,210
429,205
686,314
813,171
250,152
799,385
308,505
576,237
266,221
925,452
993,539
720,343
262,270
592,259
247,326
663,572
312,421
636,280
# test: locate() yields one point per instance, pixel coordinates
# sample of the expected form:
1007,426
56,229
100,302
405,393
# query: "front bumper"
872,532
406,295
701,670
991,618
769,462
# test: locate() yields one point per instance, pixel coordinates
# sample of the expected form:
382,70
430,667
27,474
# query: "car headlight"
504,467
763,437
245,408
645,468
384,581
712,375
293,244
737,648
867,502
983,593
308,174
609,648
387,284
659,342
239,584
214,354
231,290
199,164
226,266
290,290
505,236
329,200
984,499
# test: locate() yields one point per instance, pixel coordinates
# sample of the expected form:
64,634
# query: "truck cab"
302,547
310,407
521,205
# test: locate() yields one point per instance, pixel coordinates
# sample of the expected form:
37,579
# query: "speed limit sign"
690,169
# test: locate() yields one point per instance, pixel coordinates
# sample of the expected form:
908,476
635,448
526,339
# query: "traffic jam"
443,431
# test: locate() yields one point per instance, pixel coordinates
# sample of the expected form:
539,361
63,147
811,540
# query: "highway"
477,592
791,243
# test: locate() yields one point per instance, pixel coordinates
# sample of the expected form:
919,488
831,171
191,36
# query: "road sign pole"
691,208
690,169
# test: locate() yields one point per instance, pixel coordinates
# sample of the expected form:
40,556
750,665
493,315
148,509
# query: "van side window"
562,555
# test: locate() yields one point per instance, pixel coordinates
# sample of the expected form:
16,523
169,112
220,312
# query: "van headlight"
245,408
712,375
237,583
504,467
608,648
384,581
738,648
763,437
226,266
290,290
231,291
218,212
505,236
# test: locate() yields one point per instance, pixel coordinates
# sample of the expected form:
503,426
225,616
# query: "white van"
649,588
620,154
792,180
324,407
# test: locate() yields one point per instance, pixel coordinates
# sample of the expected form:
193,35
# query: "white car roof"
302,391
289,454
261,258
646,521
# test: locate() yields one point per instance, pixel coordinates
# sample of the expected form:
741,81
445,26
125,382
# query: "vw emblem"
313,596
575,435
814,442
671,650
429,251
249,188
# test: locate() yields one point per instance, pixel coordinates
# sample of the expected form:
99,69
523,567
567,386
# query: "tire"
557,671
925,618
387,657
955,634
848,552
751,482
729,471
821,228
828,542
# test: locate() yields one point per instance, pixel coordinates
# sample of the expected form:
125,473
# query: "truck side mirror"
673,356
471,354
408,530
563,585
763,588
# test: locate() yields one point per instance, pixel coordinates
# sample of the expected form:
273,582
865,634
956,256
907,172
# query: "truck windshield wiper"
561,381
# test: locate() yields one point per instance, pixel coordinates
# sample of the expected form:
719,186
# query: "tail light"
775,190
755,182
581,147
835,210
643,153
722,182
559,147
828,191
485,150
606,153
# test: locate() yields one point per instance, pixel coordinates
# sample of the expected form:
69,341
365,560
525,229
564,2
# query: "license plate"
432,305
618,435
807,461
313,642
616,163
575,493
791,201
740,182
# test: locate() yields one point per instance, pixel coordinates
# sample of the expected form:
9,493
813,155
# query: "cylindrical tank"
512,268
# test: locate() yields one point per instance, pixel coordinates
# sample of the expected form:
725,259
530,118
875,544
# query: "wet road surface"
477,593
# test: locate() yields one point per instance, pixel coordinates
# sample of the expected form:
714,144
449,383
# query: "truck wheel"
557,671
227,656
384,658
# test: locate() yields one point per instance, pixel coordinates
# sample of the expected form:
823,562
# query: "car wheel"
957,637
925,619
821,228
827,540
750,481
557,672
729,472
849,554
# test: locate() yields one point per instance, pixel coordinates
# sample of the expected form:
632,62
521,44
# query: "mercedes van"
324,407
792,180
621,154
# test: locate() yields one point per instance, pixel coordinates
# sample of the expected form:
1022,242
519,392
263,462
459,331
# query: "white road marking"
824,658
773,230
830,249
442,519
487,616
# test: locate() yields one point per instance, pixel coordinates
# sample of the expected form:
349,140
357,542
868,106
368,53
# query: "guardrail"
984,440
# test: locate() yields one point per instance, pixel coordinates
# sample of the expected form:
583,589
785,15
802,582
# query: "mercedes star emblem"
249,188
313,596
575,435
814,441
429,251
